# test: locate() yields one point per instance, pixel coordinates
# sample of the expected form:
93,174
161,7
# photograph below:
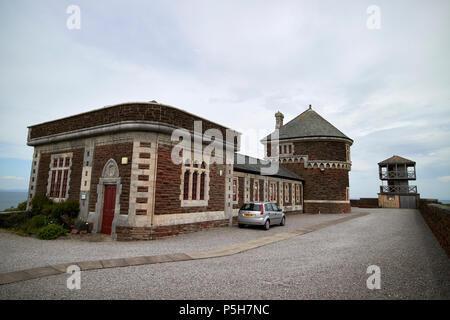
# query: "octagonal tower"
314,149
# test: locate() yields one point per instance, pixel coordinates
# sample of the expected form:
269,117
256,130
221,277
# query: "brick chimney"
278,120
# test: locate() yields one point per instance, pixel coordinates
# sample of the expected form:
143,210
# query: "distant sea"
10,199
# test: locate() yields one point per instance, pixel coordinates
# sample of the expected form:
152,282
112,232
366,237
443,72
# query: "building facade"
314,149
395,191
118,162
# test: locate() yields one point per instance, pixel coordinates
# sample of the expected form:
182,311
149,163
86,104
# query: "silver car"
261,214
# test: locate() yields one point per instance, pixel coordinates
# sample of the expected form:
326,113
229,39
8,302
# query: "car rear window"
251,207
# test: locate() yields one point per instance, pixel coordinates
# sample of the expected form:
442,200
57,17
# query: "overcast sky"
237,63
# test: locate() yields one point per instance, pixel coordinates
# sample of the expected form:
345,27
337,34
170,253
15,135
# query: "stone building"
118,162
395,191
314,149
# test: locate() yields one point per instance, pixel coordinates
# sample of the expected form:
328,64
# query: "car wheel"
283,221
267,225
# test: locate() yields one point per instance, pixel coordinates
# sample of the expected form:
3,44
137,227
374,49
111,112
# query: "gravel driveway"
19,252
330,263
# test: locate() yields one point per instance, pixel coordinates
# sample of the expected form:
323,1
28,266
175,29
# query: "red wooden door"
109,205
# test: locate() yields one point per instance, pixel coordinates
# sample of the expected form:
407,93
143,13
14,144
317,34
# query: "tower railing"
398,189
398,175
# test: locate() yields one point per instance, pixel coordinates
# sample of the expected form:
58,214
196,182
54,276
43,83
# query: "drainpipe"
154,184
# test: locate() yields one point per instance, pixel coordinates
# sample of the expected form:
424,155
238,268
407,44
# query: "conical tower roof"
309,124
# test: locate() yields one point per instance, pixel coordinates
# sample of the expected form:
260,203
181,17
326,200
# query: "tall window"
286,192
255,190
347,150
297,193
60,165
186,185
194,184
202,186
273,191
195,181
235,189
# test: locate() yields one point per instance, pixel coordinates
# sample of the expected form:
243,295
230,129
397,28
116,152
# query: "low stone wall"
365,203
438,219
144,233
327,207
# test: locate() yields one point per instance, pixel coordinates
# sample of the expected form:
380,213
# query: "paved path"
329,263
51,270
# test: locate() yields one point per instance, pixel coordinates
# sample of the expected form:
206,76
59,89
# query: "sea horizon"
11,198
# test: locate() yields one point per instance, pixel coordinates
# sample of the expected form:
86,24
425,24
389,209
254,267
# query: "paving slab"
89,265
114,263
14,276
42,272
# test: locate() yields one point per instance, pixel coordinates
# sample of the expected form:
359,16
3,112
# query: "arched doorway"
108,199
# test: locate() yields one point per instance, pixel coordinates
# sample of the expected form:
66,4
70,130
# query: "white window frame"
286,192
235,191
255,190
188,165
61,169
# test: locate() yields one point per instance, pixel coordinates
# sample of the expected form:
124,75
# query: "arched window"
186,185
202,186
194,184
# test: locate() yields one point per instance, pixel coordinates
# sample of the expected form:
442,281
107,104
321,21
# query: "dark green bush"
50,232
14,220
38,203
22,206
65,212
37,222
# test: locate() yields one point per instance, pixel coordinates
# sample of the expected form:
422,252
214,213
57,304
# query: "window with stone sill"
235,190
59,176
255,190
286,149
286,192
194,184
273,191
297,194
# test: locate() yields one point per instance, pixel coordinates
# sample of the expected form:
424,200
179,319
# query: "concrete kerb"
39,272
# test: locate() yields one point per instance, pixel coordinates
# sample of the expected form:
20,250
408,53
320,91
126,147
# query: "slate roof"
397,160
309,124
253,165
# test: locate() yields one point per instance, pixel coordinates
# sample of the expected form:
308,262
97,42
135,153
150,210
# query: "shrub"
22,206
14,220
50,232
36,223
38,203
65,212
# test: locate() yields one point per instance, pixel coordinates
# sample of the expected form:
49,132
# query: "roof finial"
310,107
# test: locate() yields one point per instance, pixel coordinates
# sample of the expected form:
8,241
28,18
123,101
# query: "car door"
277,214
268,209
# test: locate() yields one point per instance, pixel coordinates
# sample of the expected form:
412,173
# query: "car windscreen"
251,207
